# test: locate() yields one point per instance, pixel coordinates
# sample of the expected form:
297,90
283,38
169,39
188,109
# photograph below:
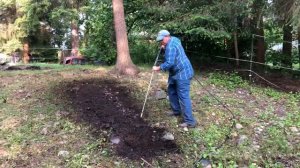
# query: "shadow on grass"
105,104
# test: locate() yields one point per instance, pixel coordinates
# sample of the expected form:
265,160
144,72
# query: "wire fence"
281,41
250,61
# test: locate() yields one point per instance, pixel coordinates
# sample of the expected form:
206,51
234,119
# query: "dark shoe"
172,114
183,125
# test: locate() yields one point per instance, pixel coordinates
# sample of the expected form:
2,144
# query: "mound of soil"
106,105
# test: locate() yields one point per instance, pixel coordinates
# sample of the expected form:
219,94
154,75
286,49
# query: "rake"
149,86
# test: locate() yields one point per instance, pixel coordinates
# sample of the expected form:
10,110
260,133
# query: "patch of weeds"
296,97
234,101
292,119
268,93
196,134
258,92
229,80
267,115
238,112
275,143
214,135
105,152
25,134
160,103
276,95
207,100
94,145
264,116
16,137
86,155
68,126
223,157
270,163
293,102
253,165
246,121
229,164
79,160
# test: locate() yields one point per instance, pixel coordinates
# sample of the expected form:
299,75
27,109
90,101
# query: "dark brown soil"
106,105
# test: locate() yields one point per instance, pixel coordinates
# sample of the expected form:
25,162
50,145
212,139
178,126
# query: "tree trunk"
124,63
75,38
284,6
287,46
260,45
299,45
26,54
258,30
236,49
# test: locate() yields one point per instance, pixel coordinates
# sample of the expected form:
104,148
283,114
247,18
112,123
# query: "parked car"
73,60
4,58
279,46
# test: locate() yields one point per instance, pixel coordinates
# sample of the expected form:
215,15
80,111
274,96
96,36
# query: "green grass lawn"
35,133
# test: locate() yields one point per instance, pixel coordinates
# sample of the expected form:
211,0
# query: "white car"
278,47
4,58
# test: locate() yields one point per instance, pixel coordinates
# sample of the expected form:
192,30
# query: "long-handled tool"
149,86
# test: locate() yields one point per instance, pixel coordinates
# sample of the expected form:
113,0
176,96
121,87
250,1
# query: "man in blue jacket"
180,75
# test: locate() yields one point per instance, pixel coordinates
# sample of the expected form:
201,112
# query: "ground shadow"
106,105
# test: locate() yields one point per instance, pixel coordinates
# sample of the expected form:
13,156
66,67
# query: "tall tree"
258,13
68,15
75,4
124,64
283,6
287,45
100,46
299,45
295,13
11,32
23,20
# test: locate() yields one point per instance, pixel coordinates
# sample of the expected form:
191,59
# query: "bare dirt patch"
3,152
105,104
10,123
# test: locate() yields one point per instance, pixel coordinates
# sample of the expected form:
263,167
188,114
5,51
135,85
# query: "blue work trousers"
180,101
